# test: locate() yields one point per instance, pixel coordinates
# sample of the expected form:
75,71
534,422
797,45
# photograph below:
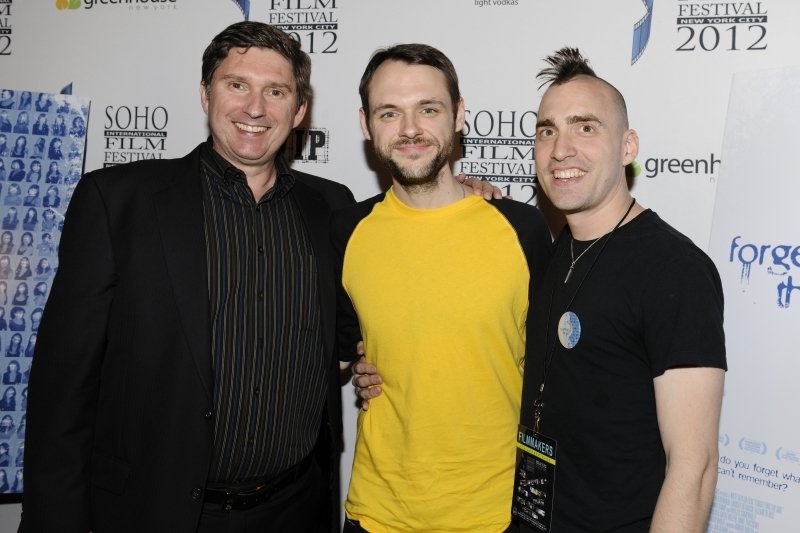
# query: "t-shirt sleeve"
683,314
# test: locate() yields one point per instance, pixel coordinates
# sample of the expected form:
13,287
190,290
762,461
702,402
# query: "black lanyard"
551,346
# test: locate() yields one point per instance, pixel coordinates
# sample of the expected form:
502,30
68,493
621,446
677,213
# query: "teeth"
569,173
250,129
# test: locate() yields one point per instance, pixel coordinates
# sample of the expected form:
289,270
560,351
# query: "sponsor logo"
779,260
497,146
315,23
752,446
133,133
137,5
68,4
719,25
308,145
787,455
656,166
495,3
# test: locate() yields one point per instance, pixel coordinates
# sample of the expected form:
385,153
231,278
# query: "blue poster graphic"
42,146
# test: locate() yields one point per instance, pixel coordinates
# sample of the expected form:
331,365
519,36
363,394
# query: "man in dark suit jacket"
184,377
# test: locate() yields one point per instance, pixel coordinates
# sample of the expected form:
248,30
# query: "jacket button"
208,413
197,494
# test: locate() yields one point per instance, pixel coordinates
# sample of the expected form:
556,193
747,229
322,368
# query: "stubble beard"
417,179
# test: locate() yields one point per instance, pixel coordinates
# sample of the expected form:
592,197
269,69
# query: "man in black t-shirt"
626,354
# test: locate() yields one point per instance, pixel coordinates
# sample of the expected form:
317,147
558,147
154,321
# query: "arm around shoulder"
533,233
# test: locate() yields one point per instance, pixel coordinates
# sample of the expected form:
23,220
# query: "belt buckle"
245,500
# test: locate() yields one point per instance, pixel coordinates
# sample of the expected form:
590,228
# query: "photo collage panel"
42,144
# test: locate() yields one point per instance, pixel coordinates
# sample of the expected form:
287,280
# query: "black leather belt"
241,498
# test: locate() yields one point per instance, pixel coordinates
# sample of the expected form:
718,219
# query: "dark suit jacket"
120,396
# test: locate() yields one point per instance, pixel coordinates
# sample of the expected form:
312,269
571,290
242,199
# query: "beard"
417,177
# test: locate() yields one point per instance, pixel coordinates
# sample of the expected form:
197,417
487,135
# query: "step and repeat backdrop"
711,87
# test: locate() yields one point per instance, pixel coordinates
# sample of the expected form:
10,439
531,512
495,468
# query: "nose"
255,105
410,126
562,147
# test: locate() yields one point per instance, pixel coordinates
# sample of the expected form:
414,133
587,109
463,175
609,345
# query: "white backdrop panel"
142,59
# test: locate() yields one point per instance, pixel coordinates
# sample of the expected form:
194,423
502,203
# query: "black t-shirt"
640,302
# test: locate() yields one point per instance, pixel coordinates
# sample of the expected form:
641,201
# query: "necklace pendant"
569,272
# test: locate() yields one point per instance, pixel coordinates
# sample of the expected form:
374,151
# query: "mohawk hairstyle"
565,64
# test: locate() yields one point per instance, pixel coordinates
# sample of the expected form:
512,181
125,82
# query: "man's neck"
586,226
262,180
444,191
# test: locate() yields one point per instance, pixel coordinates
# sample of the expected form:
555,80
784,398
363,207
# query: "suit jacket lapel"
179,208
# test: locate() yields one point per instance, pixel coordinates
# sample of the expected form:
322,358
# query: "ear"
460,115
204,97
630,145
300,114
362,118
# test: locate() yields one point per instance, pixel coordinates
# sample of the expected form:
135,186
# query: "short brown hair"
413,54
248,34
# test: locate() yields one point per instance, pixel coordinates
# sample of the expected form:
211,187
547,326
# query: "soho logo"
497,145
133,133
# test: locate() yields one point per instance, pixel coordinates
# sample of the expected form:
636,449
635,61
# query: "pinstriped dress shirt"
269,368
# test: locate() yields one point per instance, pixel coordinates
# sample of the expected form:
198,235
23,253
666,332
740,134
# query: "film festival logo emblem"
314,23
641,32
497,146
708,26
244,7
134,133
779,260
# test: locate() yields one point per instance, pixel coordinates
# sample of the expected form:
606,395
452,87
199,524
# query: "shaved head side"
566,65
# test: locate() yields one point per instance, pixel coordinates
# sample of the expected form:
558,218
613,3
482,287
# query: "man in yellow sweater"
435,452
